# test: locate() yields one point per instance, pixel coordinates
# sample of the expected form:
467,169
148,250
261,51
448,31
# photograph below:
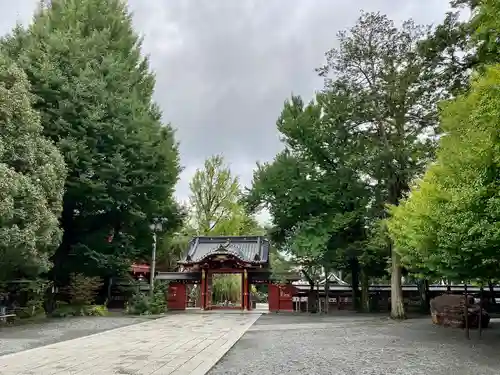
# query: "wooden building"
246,257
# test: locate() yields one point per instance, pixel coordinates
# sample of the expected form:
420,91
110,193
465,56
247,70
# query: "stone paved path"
177,344
45,332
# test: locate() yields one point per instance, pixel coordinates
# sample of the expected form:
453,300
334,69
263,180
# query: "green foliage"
170,250
356,147
82,289
142,303
158,303
97,310
312,213
226,288
94,91
214,195
281,266
138,304
448,226
457,47
32,174
388,94
35,293
65,310
215,202
385,96
376,249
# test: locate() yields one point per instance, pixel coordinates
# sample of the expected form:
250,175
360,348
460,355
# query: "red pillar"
249,297
273,297
244,303
203,288
208,290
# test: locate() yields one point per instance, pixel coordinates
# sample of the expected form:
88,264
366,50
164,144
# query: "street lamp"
155,228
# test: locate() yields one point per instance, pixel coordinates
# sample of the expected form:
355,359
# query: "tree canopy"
459,46
215,207
93,90
355,148
449,224
32,174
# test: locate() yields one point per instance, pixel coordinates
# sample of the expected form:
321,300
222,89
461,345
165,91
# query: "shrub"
64,310
159,300
96,310
33,305
143,304
82,289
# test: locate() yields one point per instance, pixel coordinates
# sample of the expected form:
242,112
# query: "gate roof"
248,249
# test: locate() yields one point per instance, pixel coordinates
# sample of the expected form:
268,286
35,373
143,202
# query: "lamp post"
155,227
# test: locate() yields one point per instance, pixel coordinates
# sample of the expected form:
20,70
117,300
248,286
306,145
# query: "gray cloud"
224,67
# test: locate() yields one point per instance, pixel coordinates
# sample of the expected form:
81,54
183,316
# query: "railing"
432,288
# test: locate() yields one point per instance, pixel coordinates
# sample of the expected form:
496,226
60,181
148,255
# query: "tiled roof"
252,249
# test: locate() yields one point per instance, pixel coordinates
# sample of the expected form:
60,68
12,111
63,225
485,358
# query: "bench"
7,316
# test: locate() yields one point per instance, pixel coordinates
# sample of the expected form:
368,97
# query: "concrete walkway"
178,344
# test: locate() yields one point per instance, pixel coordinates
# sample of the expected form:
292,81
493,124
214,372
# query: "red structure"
247,256
140,269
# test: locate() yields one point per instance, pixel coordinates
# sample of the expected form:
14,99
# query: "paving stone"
177,344
18,338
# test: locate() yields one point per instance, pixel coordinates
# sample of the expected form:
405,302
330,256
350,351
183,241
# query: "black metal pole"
481,290
466,308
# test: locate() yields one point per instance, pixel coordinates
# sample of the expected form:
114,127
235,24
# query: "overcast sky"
225,67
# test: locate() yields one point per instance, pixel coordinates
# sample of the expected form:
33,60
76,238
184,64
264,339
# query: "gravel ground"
17,338
359,345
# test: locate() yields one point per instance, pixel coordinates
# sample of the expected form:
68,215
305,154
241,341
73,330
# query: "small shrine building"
209,256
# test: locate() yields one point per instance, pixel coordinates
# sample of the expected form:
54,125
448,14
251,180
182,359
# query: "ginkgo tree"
448,225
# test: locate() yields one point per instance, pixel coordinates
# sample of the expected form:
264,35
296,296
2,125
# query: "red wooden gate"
176,296
280,297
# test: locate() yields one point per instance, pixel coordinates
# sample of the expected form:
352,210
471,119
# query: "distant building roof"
138,268
251,249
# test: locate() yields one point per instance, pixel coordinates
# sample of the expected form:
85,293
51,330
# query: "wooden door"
176,296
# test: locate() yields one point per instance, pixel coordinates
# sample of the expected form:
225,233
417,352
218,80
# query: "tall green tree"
172,247
214,199
448,226
316,200
461,45
32,174
386,96
94,92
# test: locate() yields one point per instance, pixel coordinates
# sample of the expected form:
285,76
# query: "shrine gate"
245,257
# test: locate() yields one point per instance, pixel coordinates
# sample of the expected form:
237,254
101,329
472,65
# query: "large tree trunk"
327,290
365,292
397,305
423,288
355,282
312,300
